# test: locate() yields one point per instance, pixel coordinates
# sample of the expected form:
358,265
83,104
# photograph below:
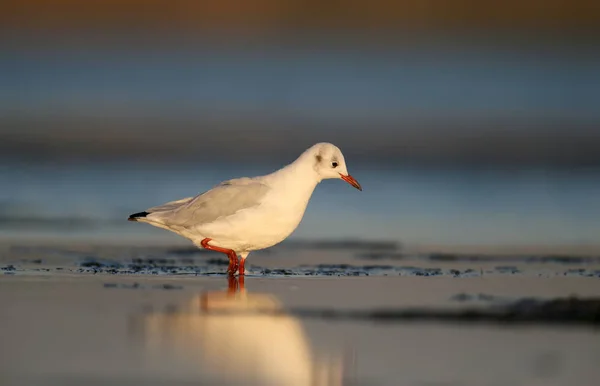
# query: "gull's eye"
334,164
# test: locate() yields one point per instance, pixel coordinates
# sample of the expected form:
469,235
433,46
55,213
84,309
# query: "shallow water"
305,314
88,297
336,258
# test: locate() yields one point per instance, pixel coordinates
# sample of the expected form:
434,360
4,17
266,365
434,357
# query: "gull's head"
328,161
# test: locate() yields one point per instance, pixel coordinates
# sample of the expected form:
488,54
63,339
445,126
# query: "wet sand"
303,316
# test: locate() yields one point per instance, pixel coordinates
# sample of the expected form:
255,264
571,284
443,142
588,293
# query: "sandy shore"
77,315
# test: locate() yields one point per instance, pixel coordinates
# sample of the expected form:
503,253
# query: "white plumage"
247,214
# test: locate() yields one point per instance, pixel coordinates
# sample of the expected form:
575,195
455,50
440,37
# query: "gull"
247,214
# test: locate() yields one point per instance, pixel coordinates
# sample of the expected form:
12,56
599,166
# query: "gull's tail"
136,216
161,208
146,218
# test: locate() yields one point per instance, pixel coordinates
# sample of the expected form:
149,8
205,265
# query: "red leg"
233,265
242,261
233,259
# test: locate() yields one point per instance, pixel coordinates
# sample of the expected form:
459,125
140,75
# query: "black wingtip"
135,216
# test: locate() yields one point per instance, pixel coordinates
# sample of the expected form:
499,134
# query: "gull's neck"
292,188
299,176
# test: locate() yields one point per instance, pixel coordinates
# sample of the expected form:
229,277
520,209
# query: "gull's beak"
349,179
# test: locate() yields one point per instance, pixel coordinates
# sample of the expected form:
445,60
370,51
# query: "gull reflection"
228,338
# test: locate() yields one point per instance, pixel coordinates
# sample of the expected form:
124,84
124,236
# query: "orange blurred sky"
197,15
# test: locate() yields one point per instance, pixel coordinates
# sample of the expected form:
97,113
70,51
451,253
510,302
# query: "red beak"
349,179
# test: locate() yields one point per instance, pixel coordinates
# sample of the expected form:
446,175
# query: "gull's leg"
242,270
233,259
233,264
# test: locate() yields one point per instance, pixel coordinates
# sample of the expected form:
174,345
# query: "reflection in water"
211,338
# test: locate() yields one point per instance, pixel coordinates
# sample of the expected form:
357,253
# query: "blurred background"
471,125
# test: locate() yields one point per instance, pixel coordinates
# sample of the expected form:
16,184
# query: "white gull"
248,214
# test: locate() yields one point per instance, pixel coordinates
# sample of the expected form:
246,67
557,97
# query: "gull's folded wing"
223,200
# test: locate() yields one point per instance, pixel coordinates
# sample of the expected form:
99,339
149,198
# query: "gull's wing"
169,205
223,200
